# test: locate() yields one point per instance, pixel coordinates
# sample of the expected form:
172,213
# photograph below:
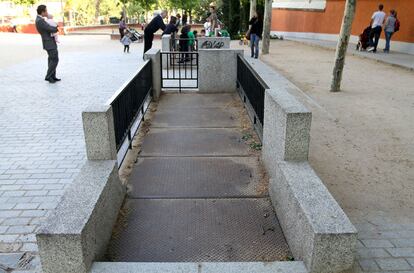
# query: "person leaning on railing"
156,23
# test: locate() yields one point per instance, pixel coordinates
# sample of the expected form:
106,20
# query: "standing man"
156,23
377,20
213,18
49,43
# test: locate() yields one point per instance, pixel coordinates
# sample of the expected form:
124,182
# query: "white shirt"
378,18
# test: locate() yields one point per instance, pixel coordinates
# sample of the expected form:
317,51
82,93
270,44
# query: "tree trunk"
266,26
97,7
342,46
253,5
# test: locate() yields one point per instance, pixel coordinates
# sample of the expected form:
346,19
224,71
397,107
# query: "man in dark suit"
49,43
155,24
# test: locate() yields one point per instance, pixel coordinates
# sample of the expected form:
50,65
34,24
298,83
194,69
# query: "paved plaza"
42,145
364,155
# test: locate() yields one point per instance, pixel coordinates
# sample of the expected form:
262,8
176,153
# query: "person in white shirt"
377,21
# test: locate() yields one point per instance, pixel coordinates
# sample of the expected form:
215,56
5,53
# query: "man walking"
377,20
49,43
155,24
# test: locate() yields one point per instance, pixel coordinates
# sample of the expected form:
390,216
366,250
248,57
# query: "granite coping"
233,267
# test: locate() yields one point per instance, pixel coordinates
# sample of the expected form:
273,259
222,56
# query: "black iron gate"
179,70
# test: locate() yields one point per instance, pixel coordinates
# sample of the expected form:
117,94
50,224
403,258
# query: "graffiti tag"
212,44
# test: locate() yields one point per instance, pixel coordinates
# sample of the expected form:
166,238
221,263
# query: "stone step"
217,117
197,230
241,267
191,177
194,142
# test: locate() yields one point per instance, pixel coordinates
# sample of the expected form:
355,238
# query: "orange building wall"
329,21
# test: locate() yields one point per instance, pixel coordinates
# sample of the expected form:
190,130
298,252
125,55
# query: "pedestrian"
184,43
213,19
122,27
171,28
255,32
192,36
49,43
178,20
377,20
156,23
184,19
126,41
389,29
207,28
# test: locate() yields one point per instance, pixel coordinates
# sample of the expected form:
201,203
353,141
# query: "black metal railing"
179,70
129,103
183,44
253,87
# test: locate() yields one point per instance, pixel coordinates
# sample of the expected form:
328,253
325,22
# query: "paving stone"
20,229
370,243
393,264
368,265
16,221
10,260
410,261
401,252
372,253
46,139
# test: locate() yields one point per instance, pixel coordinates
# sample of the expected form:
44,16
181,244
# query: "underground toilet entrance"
198,190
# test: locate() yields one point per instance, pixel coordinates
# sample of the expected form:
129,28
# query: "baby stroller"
135,36
363,42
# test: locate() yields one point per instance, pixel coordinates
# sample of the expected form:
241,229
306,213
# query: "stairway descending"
197,189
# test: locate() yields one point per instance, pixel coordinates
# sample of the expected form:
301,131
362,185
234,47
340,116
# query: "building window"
300,4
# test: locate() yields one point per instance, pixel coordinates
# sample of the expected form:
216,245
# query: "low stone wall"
213,42
78,231
316,228
217,70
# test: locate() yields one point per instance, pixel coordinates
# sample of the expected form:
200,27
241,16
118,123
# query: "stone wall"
316,228
218,70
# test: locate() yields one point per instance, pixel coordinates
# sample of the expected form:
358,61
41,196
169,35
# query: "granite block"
98,127
286,131
77,232
155,56
316,228
218,70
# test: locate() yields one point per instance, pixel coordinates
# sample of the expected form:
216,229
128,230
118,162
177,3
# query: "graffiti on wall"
212,44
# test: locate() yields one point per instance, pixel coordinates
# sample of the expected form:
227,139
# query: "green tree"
25,2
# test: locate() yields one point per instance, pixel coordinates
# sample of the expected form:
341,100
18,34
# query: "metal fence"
129,105
179,70
183,44
252,89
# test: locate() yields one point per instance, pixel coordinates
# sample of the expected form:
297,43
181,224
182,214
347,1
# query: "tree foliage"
24,2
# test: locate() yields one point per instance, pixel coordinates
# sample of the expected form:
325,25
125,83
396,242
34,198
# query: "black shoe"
51,80
57,80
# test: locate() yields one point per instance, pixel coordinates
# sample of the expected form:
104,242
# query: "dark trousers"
375,34
126,48
53,61
148,37
122,33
